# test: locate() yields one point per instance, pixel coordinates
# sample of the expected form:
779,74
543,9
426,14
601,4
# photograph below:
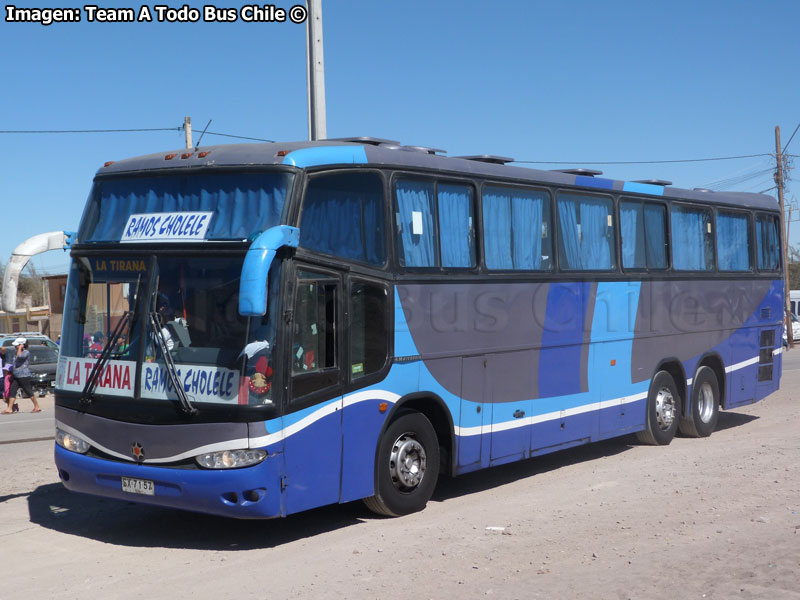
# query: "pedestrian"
22,376
5,375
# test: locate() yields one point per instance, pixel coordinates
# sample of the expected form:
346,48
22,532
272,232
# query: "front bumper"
247,493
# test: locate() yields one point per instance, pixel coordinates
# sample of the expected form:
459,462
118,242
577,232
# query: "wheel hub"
665,409
407,462
705,402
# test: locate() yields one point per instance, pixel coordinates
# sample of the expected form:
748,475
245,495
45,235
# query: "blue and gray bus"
260,329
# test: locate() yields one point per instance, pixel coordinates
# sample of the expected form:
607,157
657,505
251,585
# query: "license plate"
138,486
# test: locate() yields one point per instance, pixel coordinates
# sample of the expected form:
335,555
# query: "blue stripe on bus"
326,155
562,340
643,188
595,182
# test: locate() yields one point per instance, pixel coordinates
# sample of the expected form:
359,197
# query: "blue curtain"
456,233
497,228
416,197
631,224
655,221
585,233
688,239
243,204
512,221
526,220
595,242
343,223
733,248
570,236
767,243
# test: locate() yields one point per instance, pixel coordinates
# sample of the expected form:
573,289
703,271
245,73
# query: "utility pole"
779,182
315,72
187,130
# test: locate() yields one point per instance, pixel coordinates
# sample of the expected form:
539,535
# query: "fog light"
230,459
71,442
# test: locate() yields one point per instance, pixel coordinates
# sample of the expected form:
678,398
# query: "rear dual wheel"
703,412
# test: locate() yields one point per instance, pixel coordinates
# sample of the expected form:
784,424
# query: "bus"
255,330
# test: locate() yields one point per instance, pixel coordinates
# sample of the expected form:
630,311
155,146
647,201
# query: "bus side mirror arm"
255,271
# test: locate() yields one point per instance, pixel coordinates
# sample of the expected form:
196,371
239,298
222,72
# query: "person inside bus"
98,342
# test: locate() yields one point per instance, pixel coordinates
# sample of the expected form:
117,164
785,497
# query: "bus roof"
388,153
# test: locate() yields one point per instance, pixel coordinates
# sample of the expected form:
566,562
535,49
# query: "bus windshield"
186,305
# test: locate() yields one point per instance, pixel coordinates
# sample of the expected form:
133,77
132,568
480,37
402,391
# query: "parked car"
43,364
795,330
34,339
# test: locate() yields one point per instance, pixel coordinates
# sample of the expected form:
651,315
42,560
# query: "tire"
406,466
703,412
663,411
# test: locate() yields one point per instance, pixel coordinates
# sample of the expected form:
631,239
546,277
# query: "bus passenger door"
313,423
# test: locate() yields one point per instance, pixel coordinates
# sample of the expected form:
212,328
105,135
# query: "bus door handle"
518,414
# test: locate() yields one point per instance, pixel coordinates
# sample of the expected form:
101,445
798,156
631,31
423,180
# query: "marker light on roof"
282,153
109,163
186,154
203,154
169,157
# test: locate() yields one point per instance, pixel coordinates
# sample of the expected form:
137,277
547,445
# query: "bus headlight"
230,459
71,442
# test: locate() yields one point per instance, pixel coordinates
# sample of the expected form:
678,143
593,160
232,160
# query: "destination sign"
166,227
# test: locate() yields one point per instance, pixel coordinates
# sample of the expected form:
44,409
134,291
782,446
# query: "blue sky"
537,81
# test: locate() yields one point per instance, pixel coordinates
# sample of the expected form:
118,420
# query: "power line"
90,130
636,162
179,128
790,138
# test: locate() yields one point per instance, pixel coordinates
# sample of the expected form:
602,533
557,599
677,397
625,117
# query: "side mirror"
257,261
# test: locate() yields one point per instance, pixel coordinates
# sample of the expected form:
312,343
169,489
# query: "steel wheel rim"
705,402
407,463
665,409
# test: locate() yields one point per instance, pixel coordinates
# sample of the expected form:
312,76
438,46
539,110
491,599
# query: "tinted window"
516,228
342,215
369,332
767,242
586,228
733,241
643,231
415,223
456,225
692,248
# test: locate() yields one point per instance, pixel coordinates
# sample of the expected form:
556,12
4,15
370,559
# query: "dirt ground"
710,518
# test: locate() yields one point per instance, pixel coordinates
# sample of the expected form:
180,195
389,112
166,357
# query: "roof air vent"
660,182
488,158
424,149
584,172
365,140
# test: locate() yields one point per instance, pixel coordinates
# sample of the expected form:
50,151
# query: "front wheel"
406,467
704,410
663,411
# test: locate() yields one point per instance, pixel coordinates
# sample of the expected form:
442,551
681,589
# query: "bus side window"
314,340
369,331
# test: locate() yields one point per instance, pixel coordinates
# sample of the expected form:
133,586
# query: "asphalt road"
25,426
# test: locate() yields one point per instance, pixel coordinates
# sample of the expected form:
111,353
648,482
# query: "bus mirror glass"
257,261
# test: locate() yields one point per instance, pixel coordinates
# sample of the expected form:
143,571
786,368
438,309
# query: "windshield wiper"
94,376
172,371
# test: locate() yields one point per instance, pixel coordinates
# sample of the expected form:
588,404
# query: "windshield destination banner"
166,227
